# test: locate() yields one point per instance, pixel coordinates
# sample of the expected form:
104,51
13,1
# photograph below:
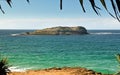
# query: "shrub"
118,59
4,66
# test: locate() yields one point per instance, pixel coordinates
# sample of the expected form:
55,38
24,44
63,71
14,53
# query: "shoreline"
59,71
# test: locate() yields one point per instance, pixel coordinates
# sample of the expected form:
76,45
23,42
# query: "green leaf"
104,5
9,2
60,4
81,3
4,67
4,60
28,1
115,10
118,57
2,10
94,6
118,4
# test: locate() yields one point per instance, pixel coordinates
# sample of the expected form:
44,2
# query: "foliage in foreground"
114,3
9,3
4,67
118,59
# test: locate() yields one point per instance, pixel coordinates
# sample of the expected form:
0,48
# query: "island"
79,30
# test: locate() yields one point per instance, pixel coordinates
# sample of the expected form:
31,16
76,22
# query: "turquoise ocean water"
95,51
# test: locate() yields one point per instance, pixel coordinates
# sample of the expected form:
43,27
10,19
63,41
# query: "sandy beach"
59,71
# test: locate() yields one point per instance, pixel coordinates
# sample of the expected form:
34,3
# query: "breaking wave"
104,33
18,69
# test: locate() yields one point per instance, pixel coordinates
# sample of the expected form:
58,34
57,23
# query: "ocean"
95,51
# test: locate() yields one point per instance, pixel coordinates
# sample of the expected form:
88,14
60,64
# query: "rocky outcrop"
59,71
61,31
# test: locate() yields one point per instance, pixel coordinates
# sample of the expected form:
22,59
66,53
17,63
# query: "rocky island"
79,30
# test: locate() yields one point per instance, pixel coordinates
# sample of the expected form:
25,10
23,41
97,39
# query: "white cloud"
89,23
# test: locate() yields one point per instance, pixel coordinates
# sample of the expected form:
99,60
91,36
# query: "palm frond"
28,1
2,10
114,4
4,67
104,5
118,4
95,8
118,57
9,2
115,10
60,4
81,3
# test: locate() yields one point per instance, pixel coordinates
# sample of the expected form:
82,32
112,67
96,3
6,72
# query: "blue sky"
41,14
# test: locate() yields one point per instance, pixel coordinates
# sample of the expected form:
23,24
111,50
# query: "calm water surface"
94,51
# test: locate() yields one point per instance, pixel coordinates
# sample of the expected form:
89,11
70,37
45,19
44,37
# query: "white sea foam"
18,69
104,33
15,34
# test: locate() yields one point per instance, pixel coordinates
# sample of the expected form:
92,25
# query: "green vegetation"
9,3
118,59
4,66
114,3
